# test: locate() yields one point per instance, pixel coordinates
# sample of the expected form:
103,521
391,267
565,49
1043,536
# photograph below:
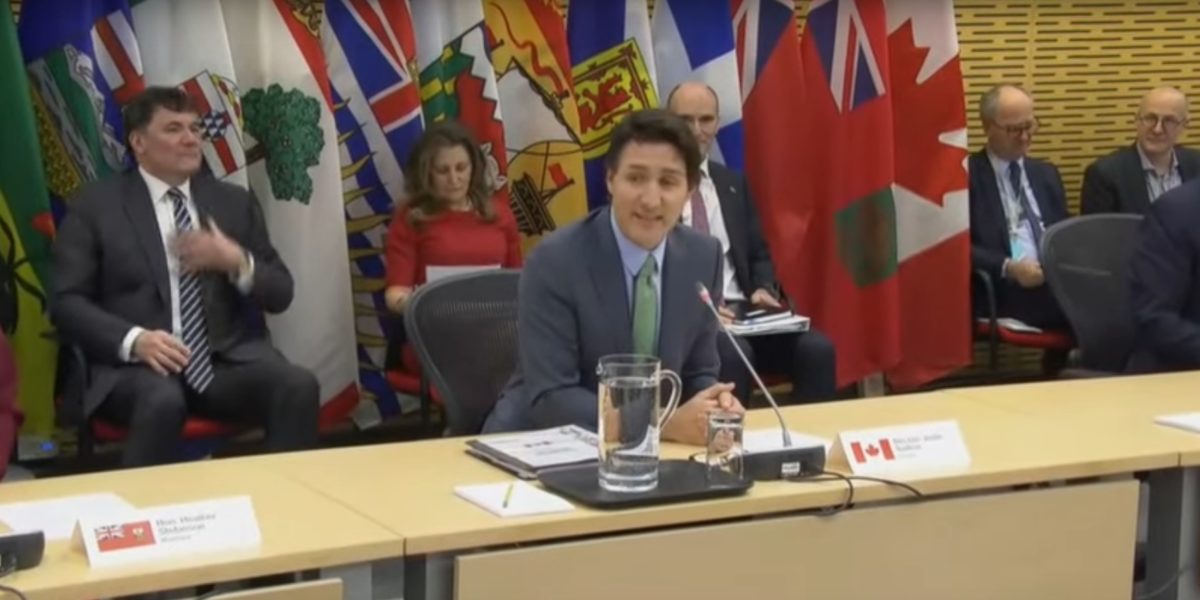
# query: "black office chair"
464,330
1086,262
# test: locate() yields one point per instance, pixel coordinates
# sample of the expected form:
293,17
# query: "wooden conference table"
972,537
988,531
301,530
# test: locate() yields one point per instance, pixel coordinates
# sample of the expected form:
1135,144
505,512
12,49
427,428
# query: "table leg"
1173,536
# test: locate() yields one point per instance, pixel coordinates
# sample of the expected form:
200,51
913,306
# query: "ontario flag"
124,536
869,452
865,186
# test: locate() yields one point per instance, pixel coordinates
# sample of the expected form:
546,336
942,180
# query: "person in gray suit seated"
622,280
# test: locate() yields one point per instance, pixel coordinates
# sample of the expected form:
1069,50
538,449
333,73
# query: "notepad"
1187,421
525,500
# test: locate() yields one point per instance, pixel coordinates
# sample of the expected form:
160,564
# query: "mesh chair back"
464,330
1086,262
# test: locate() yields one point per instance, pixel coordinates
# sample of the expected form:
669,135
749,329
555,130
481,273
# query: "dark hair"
656,125
418,173
138,113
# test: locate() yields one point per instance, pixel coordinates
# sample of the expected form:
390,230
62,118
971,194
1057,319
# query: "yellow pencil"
508,494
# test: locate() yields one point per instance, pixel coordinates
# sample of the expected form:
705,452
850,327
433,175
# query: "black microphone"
708,301
783,463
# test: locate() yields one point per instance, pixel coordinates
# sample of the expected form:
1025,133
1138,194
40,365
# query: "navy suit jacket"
573,308
1165,284
747,248
989,227
1117,183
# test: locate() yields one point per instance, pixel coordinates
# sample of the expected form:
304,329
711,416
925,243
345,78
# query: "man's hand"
726,314
764,299
689,424
162,351
1027,273
209,250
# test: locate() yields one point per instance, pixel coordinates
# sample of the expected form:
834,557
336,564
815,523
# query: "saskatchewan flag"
26,229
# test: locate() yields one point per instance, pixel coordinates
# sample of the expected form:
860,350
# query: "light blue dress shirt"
1020,232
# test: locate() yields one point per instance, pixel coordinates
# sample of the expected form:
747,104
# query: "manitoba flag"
124,536
878,451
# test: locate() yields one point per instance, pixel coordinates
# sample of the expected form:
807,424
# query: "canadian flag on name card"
124,535
881,450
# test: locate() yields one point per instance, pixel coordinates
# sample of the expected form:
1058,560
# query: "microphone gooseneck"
706,298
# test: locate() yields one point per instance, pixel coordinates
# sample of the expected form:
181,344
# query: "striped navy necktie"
199,371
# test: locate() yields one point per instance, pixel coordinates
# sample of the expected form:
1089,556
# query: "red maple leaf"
923,112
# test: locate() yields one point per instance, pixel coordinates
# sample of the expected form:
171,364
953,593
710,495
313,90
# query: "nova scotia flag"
693,41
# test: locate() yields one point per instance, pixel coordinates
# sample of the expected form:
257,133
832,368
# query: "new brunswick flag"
533,70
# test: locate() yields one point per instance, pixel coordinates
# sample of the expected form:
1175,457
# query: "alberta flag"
693,41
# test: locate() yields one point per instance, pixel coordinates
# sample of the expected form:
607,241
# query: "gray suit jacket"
111,274
573,309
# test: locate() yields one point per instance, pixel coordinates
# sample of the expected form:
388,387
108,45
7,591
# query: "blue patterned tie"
199,371
1027,214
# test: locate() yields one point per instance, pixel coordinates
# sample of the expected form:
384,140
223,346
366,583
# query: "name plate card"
171,530
934,445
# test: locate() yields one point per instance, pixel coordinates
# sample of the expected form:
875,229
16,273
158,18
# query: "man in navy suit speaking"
622,280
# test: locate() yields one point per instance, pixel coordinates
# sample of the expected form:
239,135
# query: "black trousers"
807,359
270,393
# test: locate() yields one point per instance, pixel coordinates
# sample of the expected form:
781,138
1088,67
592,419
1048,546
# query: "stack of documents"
531,452
766,323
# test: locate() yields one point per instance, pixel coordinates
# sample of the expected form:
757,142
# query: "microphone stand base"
784,463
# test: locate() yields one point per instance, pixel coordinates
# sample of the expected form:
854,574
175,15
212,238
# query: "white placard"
934,445
172,530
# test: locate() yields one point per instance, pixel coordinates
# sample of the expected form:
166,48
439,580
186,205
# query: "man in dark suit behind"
1014,199
1164,293
1130,178
622,280
726,211
159,273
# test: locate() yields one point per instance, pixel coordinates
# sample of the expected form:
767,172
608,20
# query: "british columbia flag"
370,48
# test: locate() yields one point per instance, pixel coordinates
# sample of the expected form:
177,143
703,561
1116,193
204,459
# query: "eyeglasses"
1029,127
1169,122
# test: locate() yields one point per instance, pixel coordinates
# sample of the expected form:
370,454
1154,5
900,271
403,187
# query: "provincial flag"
612,64
26,231
123,536
693,41
878,451
541,125
184,43
456,75
294,170
83,64
370,49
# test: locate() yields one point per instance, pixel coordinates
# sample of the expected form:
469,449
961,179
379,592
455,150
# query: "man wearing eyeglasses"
1014,199
1130,178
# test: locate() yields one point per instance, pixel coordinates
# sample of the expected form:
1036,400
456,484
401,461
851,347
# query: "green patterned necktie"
645,309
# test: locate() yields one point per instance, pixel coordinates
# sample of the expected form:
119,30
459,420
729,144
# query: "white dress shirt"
164,212
1020,232
716,228
1157,185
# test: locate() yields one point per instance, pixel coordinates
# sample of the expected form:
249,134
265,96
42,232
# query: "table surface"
301,529
408,487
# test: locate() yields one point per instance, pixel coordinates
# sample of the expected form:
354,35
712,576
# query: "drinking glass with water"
631,419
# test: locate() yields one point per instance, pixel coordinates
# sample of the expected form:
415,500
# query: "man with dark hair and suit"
159,274
1014,199
1164,292
722,207
1130,178
622,280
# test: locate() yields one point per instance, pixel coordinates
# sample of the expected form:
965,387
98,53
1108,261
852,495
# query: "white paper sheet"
56,518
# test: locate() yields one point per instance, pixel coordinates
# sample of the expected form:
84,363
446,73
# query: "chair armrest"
989,289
